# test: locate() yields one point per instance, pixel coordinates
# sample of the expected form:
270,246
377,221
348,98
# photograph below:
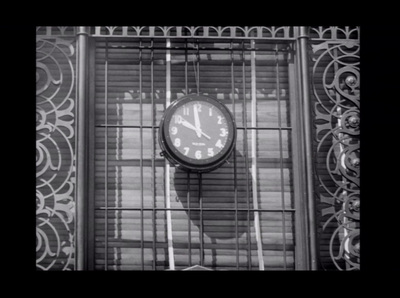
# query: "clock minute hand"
197,120
197,123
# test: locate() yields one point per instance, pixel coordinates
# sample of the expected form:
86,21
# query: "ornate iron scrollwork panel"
196,32
55,154
336,90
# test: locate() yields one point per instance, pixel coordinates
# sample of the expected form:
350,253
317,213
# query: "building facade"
286,199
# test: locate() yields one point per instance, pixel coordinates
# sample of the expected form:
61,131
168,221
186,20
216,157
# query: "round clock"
197,133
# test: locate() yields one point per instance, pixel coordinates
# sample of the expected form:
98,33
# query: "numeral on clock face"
178,119
219,120
224,132
186,150
177,142
198,106
198,154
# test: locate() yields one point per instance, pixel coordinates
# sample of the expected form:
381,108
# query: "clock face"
199,130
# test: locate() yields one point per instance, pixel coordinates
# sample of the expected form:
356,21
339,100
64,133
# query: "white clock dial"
198,130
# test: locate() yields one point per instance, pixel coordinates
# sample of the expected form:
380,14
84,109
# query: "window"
148,215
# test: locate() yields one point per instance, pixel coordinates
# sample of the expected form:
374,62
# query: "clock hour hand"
198,131
197,120
188,125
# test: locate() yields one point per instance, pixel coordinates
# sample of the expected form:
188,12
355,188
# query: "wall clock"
197,133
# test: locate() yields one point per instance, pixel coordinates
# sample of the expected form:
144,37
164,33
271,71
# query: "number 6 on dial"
198,154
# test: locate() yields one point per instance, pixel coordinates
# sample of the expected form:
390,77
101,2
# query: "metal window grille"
149,216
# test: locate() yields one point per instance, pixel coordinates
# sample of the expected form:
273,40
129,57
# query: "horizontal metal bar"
172,38
265,128
227,38
332,41
194,49
192,209
125,61
262,163
125,126
133,243
149,126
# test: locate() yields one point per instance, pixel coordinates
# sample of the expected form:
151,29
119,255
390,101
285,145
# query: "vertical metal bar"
153,155
197,79
234,161
246,158
301,249
78,263
106,164
186,68
200,175
201,222
167,166
278,97
81,138
308,143
257,227
188,174
303,178
91,157
198,69
141,156
189,223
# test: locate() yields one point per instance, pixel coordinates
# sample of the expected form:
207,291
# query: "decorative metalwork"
55,168
55,31
336,82
319,33
335,33
196,32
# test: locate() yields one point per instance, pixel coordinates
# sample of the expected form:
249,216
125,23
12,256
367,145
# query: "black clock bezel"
188,163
